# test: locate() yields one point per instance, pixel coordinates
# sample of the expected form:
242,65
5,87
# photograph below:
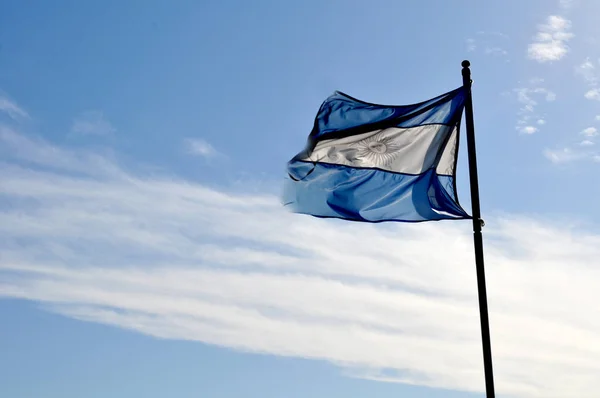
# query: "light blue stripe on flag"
369,162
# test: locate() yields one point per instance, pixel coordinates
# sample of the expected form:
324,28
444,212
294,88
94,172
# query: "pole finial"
466,73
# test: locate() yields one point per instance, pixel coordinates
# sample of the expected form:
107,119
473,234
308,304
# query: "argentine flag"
373,163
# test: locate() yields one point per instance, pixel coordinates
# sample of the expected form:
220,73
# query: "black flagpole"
477,237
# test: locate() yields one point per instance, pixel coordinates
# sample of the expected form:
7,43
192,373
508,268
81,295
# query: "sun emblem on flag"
377,149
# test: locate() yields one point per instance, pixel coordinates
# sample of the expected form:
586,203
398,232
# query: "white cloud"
586,143
200,147
589,131
11,109
541,122
177,260
593,94
550,43
598,117
528,129
92,123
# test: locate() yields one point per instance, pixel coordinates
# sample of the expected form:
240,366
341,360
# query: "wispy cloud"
92,123
550,42
529,119
11,108
564,155
566,4
582,150
587,70
489,43
495,51
233,269
471,45
200,147
493,34
590,73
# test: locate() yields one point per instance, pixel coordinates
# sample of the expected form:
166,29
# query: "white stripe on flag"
403,150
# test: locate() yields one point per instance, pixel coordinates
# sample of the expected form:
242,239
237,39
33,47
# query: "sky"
144,249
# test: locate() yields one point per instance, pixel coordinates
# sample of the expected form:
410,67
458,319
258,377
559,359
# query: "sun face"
377,149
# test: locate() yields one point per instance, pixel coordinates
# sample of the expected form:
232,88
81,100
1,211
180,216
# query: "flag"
373,163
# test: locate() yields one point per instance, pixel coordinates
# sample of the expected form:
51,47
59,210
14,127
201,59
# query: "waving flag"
369,162
373,163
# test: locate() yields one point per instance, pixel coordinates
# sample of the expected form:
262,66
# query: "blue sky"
144,251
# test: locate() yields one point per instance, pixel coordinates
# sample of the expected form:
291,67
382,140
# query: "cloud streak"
200,147
92,123
174,259
11,109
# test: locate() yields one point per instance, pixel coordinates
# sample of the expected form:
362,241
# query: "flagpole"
477,236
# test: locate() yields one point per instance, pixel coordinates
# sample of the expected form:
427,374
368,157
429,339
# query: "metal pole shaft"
477,236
